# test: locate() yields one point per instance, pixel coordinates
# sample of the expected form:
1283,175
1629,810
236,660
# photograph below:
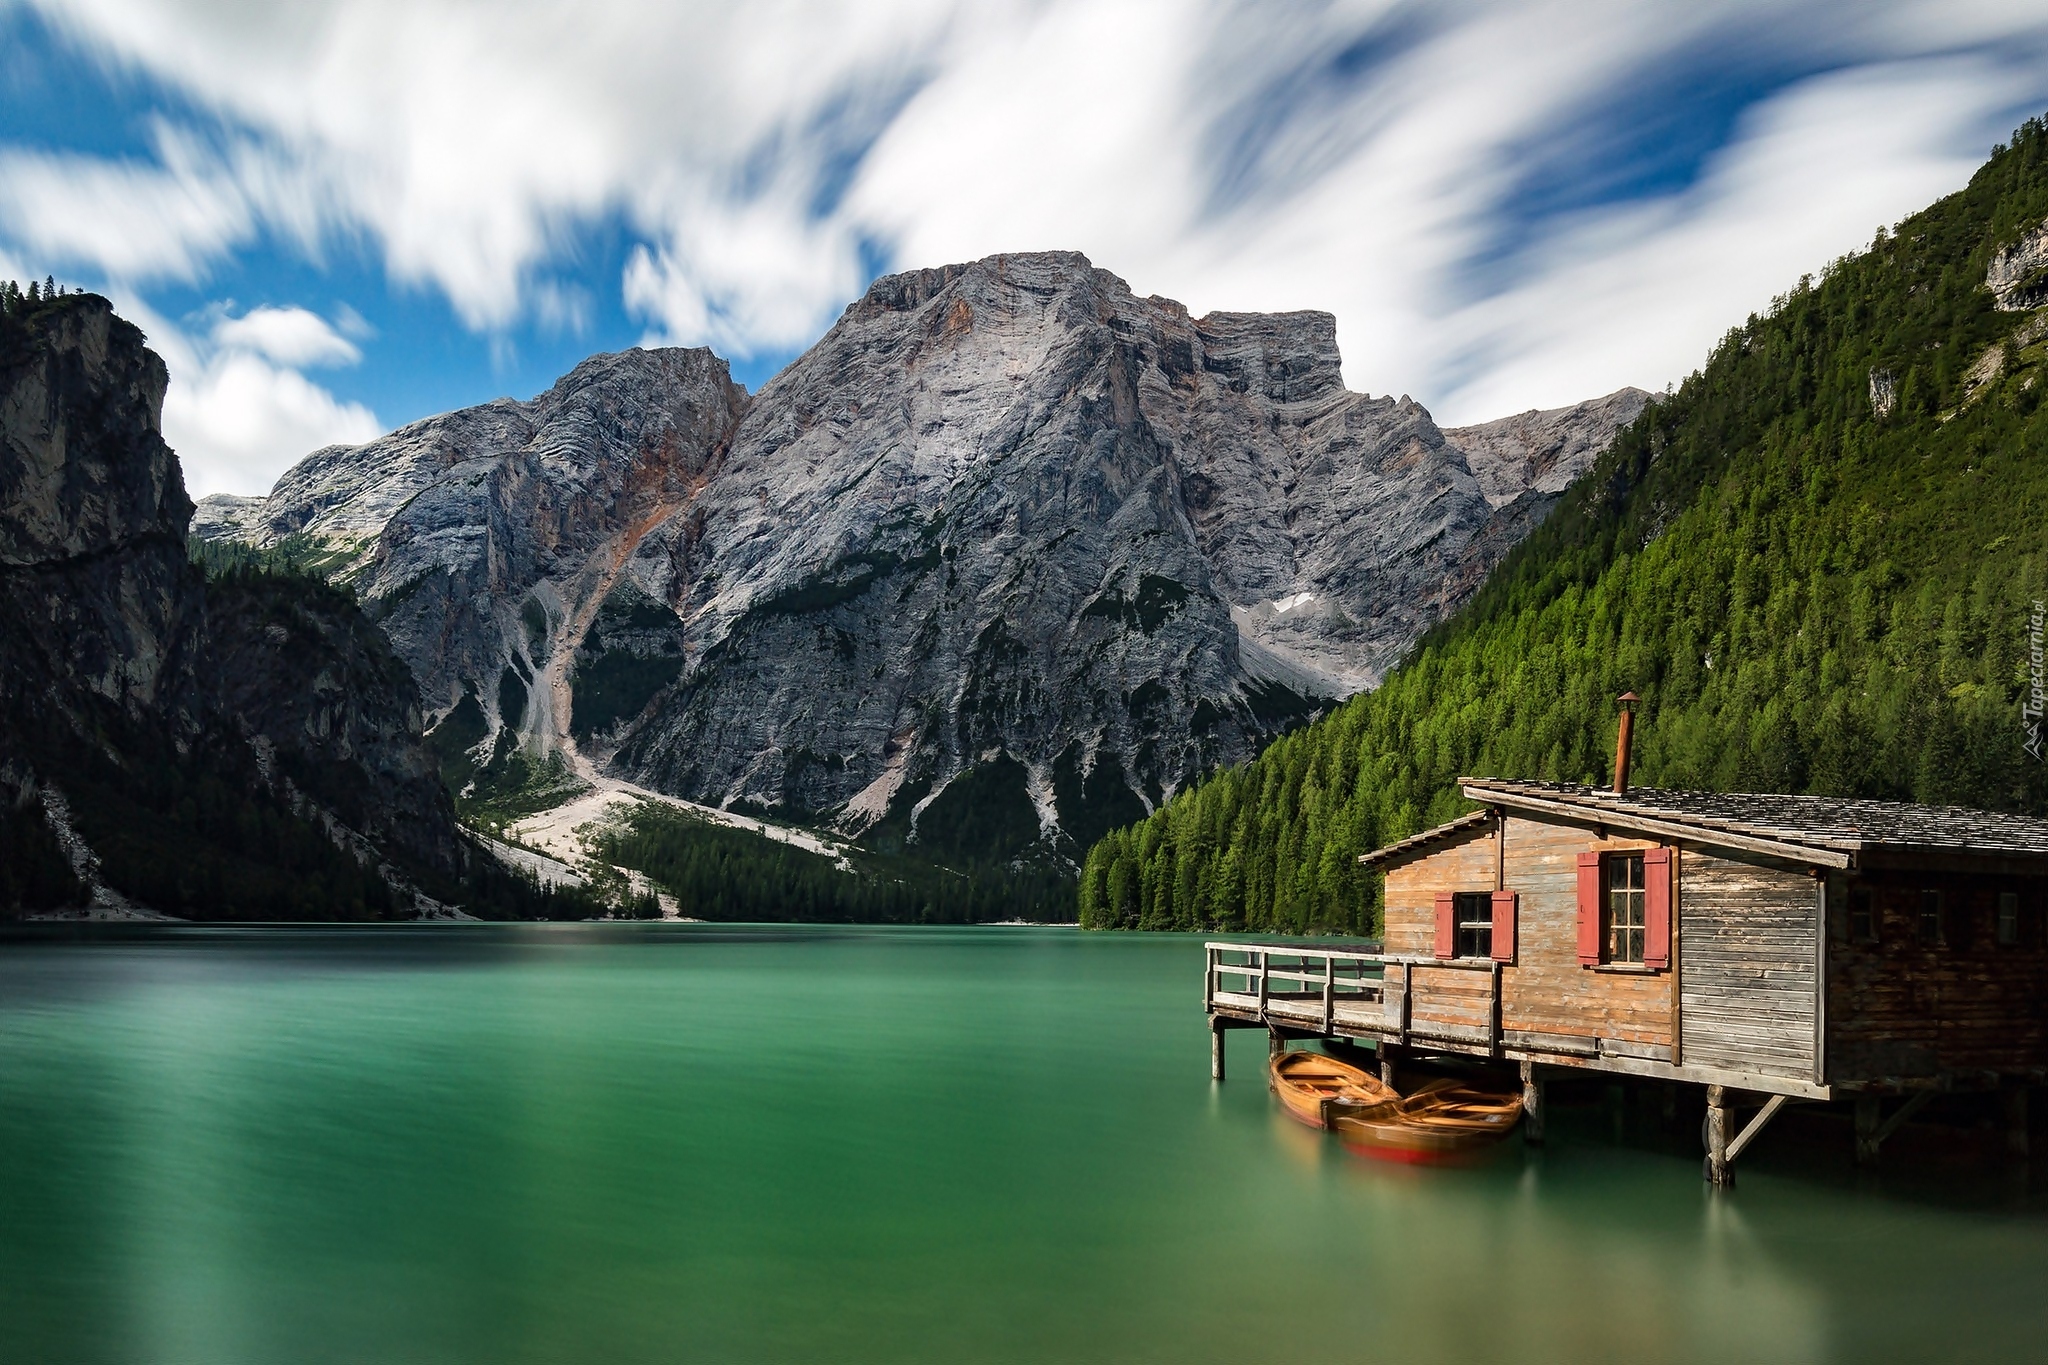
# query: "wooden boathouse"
1772,949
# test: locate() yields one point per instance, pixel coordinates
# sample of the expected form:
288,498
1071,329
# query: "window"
1624,906
1473,911
2008,918
1930,917
1862,916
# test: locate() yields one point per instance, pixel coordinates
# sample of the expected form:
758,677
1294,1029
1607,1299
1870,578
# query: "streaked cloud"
1506,204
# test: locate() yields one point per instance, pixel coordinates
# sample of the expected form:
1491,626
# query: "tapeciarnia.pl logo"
2037,695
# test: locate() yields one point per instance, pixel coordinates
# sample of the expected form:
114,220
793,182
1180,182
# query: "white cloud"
240,421
1369,157
288,336
238,411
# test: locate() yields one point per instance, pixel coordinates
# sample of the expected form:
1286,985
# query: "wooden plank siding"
1905,1008
1545,991
1454,1003
1748,981
1548,991
1410,899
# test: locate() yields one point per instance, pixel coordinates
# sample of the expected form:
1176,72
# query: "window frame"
1864,920
2006,926
1635,929
1930,929
1461,926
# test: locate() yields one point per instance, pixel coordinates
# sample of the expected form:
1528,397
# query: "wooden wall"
1409,917
1902,1008
1749,960
1547,991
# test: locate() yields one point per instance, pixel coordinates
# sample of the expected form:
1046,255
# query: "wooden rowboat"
1444,1121
1317,1088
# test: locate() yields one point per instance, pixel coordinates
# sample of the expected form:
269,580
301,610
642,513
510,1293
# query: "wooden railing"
1329,976
1303,987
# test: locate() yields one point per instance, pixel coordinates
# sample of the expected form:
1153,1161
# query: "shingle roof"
1838,825
1416,842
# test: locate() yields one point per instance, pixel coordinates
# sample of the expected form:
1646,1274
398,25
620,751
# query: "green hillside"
1810,596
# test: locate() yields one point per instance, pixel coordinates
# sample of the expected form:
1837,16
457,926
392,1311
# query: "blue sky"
337,216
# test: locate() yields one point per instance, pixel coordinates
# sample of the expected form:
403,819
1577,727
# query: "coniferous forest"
1818,561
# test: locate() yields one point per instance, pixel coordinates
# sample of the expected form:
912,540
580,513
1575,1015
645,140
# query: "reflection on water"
659,1143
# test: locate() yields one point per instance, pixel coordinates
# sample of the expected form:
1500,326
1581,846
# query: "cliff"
249,749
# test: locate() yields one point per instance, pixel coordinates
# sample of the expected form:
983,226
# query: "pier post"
1532,1106
1276,1042
1216,1036
2016,1121
1719,1172
1868,1116
1387,1054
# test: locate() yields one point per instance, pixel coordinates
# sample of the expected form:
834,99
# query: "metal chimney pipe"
1628,702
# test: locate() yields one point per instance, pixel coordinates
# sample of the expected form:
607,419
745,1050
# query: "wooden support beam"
1913,1105
1532,1106
1719,1172
1756,1125
2016,1121
1870,1133
1216,1035
1276,1042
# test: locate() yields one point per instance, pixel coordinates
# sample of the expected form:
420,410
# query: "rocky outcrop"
1537,454
2018,274
254,734
1005,557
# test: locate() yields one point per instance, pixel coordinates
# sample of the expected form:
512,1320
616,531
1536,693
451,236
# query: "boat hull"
1445,1123
1318,1089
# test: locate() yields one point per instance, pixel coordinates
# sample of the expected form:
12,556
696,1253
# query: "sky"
333,217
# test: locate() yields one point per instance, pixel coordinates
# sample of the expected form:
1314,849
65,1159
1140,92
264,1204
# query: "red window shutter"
1589,909
1505,904
1446,925
1657,907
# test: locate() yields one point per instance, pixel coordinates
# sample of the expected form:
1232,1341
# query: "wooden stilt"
1719,1172
1216,1036
1388,1053
1276,1042
1868,1116
2016,1121
1532,1106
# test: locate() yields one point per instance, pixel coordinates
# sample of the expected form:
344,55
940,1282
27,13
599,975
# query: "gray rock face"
1009,554
2018,274
128,685
1540,452
484,539
99,600
223,516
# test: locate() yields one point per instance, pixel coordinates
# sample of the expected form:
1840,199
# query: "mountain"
1003,560
242,748
1820,562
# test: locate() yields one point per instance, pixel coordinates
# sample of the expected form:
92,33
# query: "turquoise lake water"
587,1143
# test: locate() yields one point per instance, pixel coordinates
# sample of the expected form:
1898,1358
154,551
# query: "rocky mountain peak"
1007,555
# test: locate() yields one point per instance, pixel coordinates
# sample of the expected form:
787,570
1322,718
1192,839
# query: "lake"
594,1143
